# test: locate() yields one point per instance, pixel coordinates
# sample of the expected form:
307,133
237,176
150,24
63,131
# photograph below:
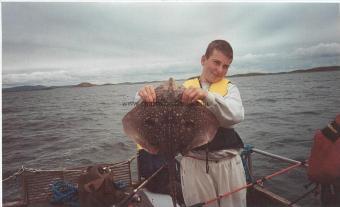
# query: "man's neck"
203,80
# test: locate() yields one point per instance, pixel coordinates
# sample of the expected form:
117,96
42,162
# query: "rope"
19,172
39,170
245,154
23,169
64,192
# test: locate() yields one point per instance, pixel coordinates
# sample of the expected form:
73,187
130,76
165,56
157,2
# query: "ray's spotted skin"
168,120
169,126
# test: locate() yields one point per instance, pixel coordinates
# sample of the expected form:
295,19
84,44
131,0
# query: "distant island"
311,70
25,88
87,84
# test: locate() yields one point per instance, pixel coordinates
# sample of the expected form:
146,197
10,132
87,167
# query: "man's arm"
228,109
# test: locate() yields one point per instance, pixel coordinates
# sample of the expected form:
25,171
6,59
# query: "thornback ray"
187,126
169,127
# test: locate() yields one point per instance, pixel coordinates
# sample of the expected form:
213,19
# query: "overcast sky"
69,43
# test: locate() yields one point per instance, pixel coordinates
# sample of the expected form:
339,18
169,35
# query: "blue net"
64,193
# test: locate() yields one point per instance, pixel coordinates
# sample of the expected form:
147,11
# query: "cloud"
315,51
38,78
140,70
322,54
250,58
320,50
59,43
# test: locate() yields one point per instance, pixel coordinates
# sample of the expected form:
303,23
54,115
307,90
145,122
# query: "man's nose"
220,69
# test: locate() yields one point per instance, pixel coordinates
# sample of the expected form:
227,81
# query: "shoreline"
87,84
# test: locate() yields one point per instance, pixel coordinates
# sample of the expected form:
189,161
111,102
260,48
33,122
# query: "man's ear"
203,59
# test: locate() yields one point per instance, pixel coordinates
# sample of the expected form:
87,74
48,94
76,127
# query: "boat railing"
270,155
36,184
258,183
278,157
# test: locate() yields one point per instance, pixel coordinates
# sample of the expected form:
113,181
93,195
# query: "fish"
169,127
186,126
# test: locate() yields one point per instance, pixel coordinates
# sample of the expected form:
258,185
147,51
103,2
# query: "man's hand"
147,94
191,95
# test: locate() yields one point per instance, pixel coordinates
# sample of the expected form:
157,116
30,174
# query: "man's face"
215,67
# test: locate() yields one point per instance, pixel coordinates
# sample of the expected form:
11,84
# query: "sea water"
68,127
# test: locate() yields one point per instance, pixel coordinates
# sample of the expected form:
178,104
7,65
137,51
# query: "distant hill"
249,74
26,88
318,69
311,70
141,82
87,84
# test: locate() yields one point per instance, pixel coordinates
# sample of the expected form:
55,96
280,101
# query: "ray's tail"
172,181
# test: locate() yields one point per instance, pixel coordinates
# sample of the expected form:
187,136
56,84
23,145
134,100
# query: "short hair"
220,45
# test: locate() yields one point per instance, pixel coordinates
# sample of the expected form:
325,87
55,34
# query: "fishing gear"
259,181
123,202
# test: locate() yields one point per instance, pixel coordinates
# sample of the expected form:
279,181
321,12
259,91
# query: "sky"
56,44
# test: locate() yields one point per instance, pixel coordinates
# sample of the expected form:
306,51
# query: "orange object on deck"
324,161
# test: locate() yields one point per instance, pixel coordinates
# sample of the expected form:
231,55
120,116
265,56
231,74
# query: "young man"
215,168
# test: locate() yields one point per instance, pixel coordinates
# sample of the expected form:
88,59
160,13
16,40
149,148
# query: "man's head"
216,61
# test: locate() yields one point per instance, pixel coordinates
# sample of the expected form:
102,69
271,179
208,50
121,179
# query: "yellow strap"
192,83
220,87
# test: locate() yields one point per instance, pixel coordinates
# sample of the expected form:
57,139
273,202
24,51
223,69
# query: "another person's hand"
191,95
147,94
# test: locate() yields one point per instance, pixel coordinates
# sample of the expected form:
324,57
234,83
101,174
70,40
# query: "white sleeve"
137,98
228,109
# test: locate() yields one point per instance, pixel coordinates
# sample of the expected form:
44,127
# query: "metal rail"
278,157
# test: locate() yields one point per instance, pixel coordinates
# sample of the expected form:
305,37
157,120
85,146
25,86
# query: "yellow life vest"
225,138
220,87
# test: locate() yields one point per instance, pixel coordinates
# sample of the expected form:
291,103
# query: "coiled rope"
64,192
